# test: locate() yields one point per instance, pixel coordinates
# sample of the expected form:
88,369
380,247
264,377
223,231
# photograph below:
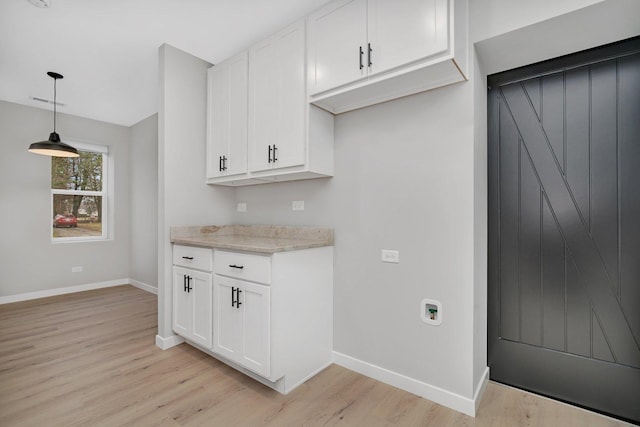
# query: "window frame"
106,194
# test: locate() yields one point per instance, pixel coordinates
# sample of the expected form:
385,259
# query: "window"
79,196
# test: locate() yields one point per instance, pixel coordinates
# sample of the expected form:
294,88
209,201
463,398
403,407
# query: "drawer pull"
240,267
187,257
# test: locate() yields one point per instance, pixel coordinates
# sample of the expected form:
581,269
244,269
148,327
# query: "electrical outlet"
390,256
242,207
297,205
76,269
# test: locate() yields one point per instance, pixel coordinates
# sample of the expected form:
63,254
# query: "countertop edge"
247,248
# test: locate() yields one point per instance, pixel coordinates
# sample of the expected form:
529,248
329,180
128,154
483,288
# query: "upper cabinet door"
227,122
337,35
403,31
277,100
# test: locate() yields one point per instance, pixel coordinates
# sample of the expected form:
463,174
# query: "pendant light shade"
53,146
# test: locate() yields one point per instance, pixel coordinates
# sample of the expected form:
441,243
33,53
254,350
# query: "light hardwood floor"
89,359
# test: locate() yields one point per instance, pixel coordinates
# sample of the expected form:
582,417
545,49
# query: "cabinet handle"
220,163
369,55
361,53
238,303
236,266
233,298
186,280
270,154
275,159
187,257
224,163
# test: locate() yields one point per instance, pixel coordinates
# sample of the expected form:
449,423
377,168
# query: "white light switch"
242,207
297,205
390,256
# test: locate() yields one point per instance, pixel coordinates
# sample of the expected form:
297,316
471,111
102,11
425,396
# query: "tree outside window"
79,195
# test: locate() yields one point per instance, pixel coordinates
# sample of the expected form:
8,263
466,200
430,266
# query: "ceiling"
107,50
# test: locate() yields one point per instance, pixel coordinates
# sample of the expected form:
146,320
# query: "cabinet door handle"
220,163
233,297
238,303
360,55
275,159
236,266
187,257
270,154
189,288
224,163
369,55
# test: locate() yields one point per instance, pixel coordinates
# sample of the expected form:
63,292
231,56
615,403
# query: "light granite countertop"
266,239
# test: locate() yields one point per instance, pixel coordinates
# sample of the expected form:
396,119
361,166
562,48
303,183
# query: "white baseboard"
168,342
61,291
145,287
481,387
436,394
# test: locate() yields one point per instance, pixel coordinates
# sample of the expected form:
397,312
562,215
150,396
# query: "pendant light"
54,147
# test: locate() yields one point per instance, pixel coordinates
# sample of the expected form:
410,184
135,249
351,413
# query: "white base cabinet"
268,315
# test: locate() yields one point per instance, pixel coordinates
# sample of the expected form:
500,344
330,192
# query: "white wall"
29,261
492,17
143,227
403,180
183,197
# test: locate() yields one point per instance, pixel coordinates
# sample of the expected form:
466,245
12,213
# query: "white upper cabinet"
261,126
401,31
277,100
362,52
227,117
337,43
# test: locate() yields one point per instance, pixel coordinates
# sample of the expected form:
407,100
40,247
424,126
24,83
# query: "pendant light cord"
55,81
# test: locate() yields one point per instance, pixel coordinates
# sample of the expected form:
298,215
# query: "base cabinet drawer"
251,267
193,257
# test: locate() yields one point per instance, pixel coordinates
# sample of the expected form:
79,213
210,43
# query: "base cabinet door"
256,325
192,305
226,317
201,293
242,323
181,302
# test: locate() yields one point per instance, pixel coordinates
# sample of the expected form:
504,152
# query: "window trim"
107,195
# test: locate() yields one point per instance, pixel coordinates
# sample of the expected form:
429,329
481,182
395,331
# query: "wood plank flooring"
89,359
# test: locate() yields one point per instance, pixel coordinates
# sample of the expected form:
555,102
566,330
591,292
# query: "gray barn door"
564,228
